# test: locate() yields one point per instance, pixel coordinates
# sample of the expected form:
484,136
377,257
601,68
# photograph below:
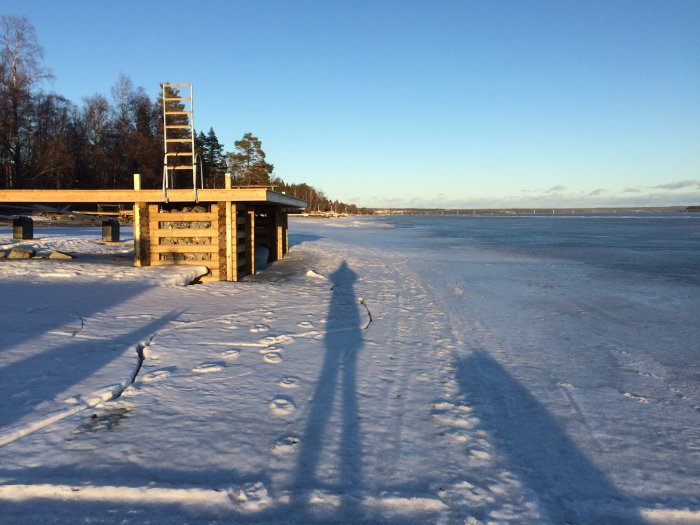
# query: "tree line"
49,142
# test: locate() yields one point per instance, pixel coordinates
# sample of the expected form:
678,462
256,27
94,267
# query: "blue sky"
404,103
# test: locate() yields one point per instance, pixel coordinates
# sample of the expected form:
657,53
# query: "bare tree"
20,71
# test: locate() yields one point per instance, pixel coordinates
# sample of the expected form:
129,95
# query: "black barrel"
22,228
110,230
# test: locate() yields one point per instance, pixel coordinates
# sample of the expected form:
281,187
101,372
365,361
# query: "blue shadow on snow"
547,460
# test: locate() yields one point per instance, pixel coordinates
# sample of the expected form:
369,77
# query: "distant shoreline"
512,211
535,211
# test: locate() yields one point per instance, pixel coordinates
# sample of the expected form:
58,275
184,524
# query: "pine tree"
213,158
249,165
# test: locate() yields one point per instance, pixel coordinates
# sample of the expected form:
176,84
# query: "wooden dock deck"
220,230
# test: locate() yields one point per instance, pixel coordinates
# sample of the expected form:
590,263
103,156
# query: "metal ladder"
178,137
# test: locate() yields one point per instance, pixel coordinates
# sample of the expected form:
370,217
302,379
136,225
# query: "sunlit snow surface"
513,370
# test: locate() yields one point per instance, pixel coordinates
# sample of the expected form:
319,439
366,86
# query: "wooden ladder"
178,136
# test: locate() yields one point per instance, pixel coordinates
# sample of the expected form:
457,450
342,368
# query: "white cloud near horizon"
679,193
680,185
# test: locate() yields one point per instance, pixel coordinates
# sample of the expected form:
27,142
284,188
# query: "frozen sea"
398,369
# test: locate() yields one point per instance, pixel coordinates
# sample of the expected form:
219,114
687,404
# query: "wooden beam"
250,241
149,211
279,232
184,217
137,223
183,232
245,194
231,239
185,248
285,234
232,242
185,262
218,263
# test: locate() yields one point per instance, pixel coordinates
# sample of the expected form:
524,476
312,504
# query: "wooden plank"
151,211
242,195
167,233
137,224
250,241
231,235
280,233
230,242
184,262
184,248
219,225
184,217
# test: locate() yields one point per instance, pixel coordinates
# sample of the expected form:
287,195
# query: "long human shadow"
550,463
44,375
338,374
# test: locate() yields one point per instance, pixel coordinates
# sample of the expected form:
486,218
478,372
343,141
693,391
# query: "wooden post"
279,233
285,233
271,228
137,223
250,241
222,238
231,269
151,213
232,243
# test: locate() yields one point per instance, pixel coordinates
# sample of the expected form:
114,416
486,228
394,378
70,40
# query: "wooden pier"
220,230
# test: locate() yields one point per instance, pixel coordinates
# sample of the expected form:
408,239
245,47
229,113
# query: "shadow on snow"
53,371
547,460
337,379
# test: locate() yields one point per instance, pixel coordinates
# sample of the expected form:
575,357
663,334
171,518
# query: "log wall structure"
220,231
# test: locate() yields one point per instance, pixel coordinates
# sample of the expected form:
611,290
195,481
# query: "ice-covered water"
664,244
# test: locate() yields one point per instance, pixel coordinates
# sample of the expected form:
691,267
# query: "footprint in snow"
286,445
454,415
481,454
250,497
272,357
230,355
281,406
458,436
207,368
289,382
271,340
306,324
456,290
158,375
257,328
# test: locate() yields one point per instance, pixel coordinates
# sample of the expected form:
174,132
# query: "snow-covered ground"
387,371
